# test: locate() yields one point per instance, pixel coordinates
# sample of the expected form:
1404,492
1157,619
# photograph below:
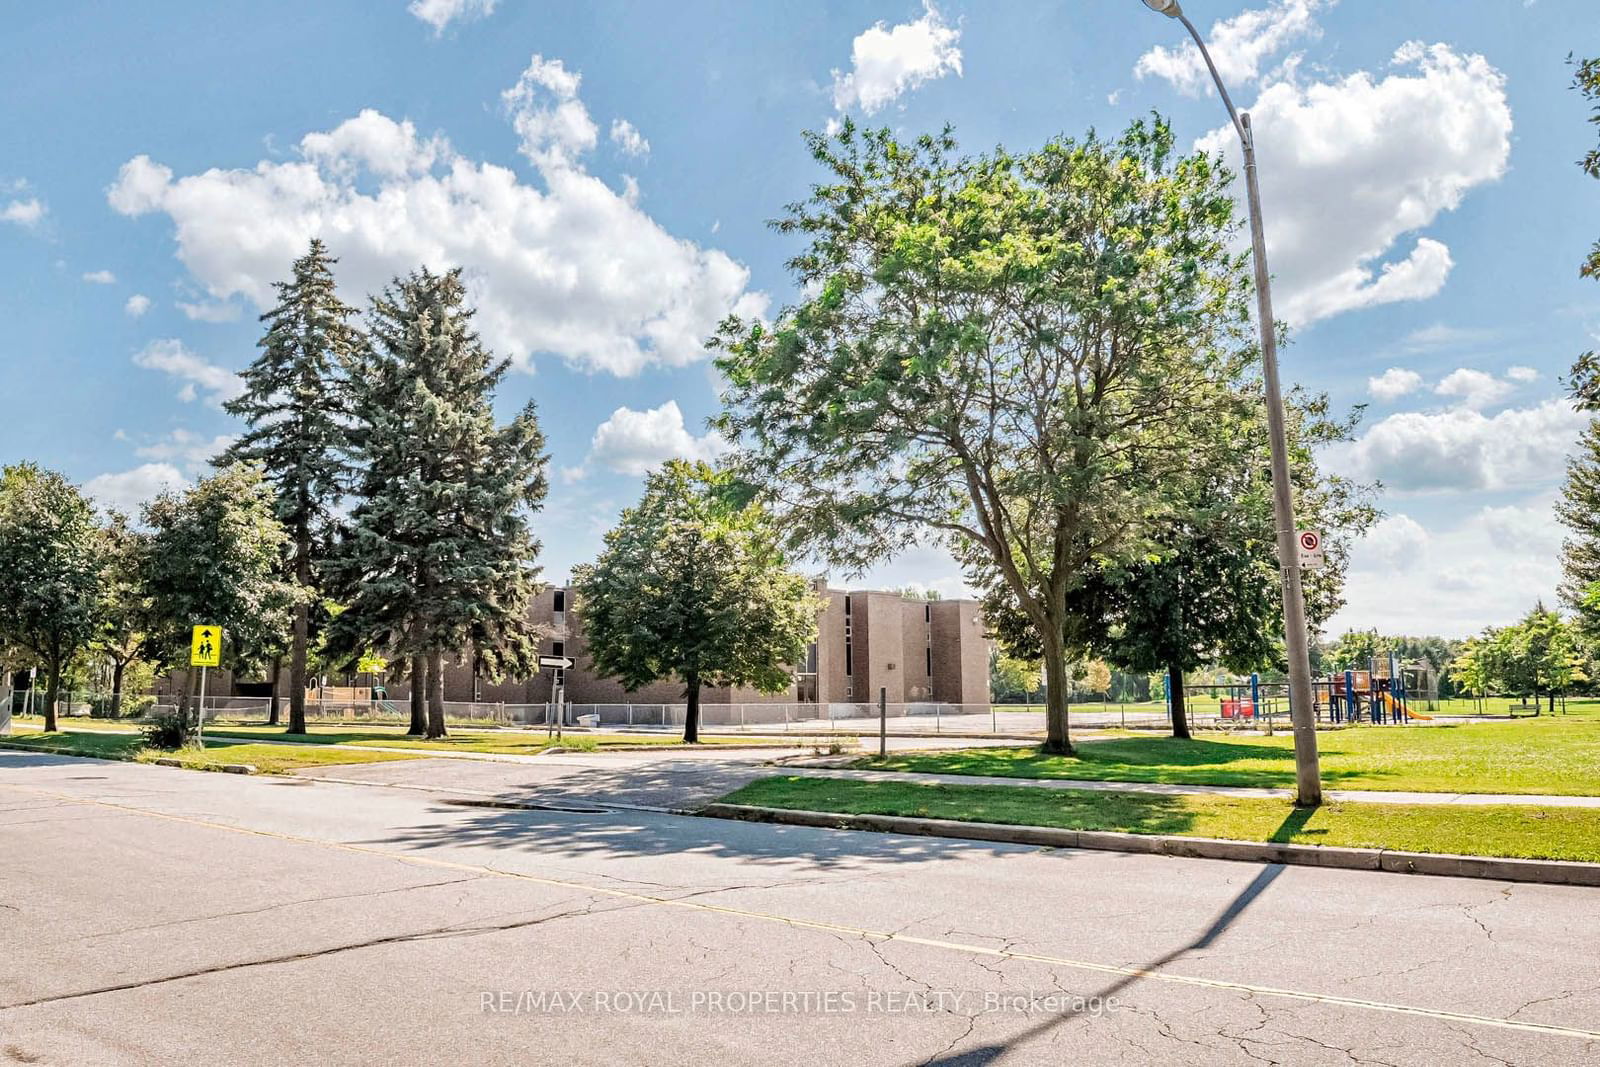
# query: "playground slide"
1395,705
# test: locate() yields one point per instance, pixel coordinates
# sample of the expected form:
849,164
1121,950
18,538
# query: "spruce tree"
294,403
439,557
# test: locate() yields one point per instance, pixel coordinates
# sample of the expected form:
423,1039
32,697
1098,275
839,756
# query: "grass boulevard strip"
837,929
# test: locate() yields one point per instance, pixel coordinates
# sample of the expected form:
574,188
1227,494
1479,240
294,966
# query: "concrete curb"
1548,872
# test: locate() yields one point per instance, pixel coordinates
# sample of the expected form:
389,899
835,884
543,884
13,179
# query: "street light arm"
1233,112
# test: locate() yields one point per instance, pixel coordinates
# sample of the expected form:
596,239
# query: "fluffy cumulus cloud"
24,212
1463,449
634,442
568,266
1394,383
124,491
1473,388
1453,574
1352,169
1240,46
886,61
198,376
137,305
99,277
440,13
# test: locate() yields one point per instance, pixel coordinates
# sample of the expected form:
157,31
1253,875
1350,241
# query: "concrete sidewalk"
1365,796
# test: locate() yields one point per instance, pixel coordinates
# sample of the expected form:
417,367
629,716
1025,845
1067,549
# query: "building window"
849,657
558,648
930,661
927,613
561,601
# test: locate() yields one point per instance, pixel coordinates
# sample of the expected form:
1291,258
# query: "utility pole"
1296,638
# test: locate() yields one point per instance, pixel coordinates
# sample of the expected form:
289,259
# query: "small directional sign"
205,647
557,663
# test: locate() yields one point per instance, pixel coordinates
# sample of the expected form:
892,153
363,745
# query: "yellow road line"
871,935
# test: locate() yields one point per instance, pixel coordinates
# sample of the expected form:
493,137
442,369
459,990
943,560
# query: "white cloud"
126,490
375,141
440,13
1439,335
1463,450
1395,541
887,61
174,359
1351,168
627,137
23,212
137,305
1522,374
1394,383
1239,46
545,111
1455,576
1473,388
570,266
194,451
209,310
99,277
635,442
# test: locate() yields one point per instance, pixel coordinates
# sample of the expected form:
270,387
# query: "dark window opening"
558,648
930,662
561,601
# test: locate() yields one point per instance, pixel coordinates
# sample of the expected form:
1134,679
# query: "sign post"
205,650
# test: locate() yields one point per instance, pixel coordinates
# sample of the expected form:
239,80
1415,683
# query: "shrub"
167,730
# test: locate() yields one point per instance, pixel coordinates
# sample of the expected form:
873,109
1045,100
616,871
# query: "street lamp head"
1169,8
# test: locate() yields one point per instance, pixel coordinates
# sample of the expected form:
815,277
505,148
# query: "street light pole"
1302,713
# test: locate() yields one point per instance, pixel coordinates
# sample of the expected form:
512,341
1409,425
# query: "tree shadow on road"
625,834
1224,919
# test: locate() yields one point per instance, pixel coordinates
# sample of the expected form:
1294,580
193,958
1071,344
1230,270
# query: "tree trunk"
1180,712
435,695
1058,738
52,692
419,696
1552,701
691,711
297,650
117,669
274,716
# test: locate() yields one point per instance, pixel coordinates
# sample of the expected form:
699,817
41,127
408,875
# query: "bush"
167,730
134,705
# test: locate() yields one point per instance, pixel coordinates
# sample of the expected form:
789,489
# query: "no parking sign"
1311,554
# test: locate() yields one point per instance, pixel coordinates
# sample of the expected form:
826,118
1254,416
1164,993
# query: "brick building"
917,650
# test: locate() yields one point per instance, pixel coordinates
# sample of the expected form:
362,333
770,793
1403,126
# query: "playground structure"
1386,692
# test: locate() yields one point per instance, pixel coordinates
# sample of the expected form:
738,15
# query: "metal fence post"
883,721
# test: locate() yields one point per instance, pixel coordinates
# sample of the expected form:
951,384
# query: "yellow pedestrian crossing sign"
205,648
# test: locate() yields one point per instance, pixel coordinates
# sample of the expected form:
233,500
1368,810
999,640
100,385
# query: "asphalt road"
150,915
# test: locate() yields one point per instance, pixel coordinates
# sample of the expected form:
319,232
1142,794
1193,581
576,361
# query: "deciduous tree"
216,557
49,571
693,585
1014,352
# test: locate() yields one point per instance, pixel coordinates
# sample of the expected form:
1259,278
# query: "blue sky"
604,173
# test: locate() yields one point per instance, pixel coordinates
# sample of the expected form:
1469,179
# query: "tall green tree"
1017,353
1579,506
693,586
49,571
125,631
216,557
294,403
440,553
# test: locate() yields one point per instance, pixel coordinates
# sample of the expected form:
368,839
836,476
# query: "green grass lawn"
1544,755
1488,830
269,759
